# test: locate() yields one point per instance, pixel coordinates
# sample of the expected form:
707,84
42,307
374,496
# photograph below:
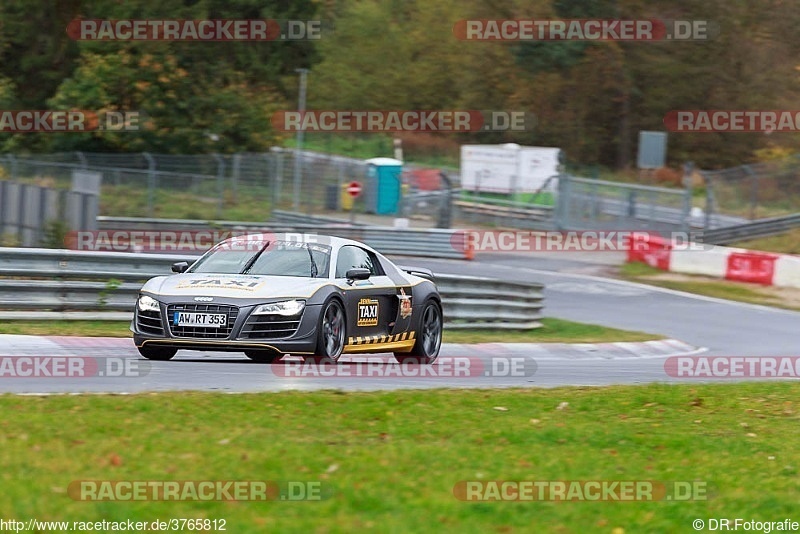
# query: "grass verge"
785,243
389,461
552,331
710,287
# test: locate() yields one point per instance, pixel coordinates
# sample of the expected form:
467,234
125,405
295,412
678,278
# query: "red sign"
354,189
754,267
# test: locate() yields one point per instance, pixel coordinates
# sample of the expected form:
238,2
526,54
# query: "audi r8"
269,295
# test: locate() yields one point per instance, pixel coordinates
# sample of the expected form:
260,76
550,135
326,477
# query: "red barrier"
755,267
650,249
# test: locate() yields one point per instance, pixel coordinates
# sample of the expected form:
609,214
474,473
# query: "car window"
293,259
352,257
223,261
280,258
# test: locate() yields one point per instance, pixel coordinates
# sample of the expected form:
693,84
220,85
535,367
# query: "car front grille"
149,322
270,326
202,332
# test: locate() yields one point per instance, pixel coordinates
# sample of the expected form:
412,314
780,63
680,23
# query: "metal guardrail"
66,280
432,243
751,230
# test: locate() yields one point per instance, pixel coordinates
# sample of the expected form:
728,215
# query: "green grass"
389,461
67,328
786,243
553,330
700,285
251,204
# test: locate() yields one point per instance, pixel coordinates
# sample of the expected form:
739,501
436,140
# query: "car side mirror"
358,274
180,267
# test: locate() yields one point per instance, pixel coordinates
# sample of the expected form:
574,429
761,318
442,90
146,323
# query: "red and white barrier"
730,263
787,272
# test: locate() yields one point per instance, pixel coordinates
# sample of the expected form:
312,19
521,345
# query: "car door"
371,305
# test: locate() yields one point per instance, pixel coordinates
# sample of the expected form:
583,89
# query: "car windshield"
274,258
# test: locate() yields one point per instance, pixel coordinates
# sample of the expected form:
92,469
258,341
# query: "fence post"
298,177
753,190
151,182
688,170
13,166
220,183
273,176
709,200
279,165
593,203
236,165
22,214
82,159
339,184
2,207
446,205
632,204
562,198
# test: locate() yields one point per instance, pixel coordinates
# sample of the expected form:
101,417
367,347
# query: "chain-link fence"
248,187
597,204
750,192
244,186
211,186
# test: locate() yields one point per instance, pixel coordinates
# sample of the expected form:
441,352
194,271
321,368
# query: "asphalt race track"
697,325
724,327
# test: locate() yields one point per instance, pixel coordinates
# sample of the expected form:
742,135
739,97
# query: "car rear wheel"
262,356
331,332
157,353
429,336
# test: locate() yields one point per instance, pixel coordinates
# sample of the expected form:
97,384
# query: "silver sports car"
268,295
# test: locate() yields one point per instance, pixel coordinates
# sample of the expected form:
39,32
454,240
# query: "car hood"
234,285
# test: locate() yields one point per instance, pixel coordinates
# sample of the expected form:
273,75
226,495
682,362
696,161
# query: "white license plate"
213,320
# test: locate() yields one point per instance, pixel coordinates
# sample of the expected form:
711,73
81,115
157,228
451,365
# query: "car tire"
331,332
262,356
429,336
157,353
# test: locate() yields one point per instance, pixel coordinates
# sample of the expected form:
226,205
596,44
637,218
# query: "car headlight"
148,304
286,308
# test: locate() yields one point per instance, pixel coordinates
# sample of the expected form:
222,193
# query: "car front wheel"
331,333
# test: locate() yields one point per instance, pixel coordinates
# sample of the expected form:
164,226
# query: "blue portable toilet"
382,191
